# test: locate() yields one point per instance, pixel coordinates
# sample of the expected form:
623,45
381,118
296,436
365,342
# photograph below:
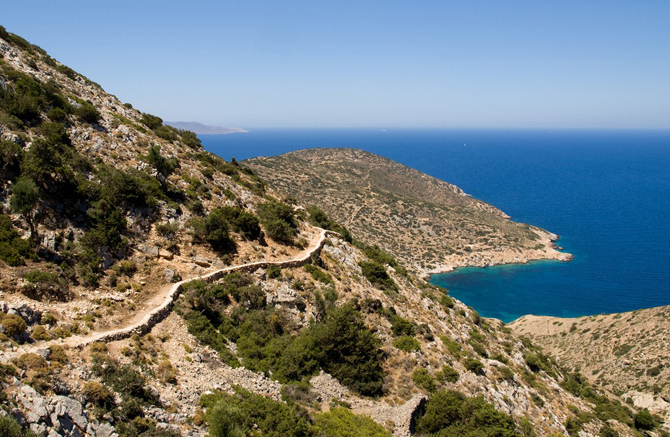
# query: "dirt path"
160,304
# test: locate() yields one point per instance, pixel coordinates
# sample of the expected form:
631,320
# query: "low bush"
99,395
318,274
87,113
423,379
644,421
13,249
447,374
377,275
246,413
474,365
450,413
401,326
31,361
39,333
341,422
274,272
124,379
9,427
406,343
13,325
318,217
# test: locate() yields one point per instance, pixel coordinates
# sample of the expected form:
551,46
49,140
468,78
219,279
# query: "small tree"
25,197
164,166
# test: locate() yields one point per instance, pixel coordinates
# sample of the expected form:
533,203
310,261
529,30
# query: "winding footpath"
142,322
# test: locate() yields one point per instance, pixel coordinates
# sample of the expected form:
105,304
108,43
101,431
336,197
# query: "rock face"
428,224
57,415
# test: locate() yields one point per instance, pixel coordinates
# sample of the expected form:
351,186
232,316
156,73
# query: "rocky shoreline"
501,256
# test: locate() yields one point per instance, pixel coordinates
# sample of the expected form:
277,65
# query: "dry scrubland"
103,208
428,224
625,353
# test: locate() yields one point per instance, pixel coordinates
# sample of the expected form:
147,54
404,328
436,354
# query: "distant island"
200,128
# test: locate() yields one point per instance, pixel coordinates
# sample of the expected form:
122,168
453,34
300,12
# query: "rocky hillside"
625,353
149,288
429,224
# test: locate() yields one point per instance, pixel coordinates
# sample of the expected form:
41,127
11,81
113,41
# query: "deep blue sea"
607,193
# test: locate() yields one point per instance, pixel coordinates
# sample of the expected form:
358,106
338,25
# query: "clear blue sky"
469,63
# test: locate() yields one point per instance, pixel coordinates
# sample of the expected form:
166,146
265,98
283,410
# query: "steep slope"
431,225
625,353
108,217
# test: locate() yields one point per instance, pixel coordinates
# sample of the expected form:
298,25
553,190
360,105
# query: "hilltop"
200,128
429,224
149,288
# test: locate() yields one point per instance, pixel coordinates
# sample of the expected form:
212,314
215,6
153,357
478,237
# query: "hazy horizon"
386,64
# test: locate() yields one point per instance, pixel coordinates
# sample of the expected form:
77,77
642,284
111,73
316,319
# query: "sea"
605,192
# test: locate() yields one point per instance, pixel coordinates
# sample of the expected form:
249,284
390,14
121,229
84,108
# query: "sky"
388,64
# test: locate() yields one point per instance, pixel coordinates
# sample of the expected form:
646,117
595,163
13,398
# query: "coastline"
499,256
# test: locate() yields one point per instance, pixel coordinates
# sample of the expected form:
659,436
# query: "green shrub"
163,165
87,113
318,274
13,249
506,373
533,362
10,157
452,346
48,319
318,217
644,420
14,325
167,133
124,379
474,365
126,267
447,301
450,413
31,361
98,394
274,272
376,274
406,343
39,276
341,422
401,326
608,431
190,140
279,221
151,121
215,229
239,220
246,413
26,98
39,333
447,374
423,379
9,427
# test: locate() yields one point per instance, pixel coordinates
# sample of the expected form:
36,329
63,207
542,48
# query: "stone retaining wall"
160,312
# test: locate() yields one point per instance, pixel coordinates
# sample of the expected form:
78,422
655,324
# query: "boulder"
68,413
202,261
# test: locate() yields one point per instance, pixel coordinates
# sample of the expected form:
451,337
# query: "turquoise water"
607,193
